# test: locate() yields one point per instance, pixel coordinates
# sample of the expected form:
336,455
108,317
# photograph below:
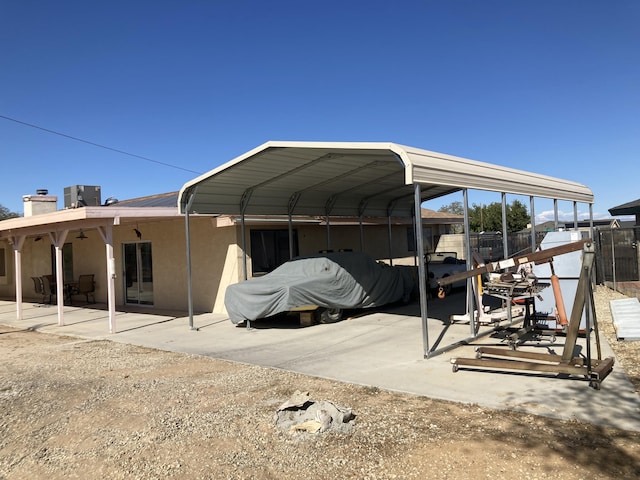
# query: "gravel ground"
71,408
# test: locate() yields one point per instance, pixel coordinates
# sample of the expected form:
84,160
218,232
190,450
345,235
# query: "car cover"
334,280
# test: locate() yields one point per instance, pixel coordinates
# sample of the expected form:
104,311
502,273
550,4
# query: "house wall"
209,247
215,252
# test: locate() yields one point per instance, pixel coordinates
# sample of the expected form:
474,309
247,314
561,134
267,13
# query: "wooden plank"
539,257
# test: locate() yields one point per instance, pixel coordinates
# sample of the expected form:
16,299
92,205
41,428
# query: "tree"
454,207
6,213
488,218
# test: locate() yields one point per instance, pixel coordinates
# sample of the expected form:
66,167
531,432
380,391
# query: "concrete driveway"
380,348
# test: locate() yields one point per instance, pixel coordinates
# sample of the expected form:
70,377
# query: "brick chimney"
39,203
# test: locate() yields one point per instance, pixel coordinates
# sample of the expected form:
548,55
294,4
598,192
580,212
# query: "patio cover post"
58,242
422,271
575,215
107,237
17,243
555,214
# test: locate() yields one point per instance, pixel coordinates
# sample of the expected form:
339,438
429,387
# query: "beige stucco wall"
215,252
209,247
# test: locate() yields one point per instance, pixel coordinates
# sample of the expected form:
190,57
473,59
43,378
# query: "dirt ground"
73,408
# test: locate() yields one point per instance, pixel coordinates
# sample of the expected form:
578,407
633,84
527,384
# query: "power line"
97,144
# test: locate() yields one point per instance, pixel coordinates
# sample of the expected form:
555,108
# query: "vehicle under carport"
359,179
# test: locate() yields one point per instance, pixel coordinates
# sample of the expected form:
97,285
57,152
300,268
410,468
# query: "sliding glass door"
138,273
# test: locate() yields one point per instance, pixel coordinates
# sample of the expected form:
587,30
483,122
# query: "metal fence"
490,246
617,255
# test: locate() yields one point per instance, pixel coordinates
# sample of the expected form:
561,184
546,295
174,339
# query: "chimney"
39,203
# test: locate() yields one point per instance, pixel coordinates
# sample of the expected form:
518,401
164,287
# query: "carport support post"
390,240
505,235
290,237
187,208
467,239
555,214
533,224
422,271
328,232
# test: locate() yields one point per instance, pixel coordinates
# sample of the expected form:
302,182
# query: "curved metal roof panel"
349,179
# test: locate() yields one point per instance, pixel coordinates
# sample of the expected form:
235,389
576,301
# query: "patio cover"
353,179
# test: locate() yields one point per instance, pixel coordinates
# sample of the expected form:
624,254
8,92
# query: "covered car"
332,281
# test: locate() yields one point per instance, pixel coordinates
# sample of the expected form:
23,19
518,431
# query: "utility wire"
97,144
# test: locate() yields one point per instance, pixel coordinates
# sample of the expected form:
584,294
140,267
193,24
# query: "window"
3,263
270,249
138,273
3,266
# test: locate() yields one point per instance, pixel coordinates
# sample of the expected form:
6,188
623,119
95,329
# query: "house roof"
630,208
353,179
169,199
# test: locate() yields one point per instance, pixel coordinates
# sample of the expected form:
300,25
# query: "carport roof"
352,179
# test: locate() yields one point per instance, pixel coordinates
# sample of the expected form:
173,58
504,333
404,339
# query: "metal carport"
357,179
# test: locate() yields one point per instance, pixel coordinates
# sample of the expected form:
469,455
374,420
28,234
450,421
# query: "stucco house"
232,222
149,247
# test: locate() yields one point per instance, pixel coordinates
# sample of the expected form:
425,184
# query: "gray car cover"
333,280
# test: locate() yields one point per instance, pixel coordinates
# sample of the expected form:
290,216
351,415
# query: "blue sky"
549,86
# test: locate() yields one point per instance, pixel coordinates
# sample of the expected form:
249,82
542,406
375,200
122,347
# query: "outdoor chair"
86,287
48,287
38,287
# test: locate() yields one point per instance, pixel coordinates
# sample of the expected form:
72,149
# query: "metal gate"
617,259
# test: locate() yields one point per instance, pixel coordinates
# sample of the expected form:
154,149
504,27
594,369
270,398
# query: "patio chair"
38,287
48,287
86,287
